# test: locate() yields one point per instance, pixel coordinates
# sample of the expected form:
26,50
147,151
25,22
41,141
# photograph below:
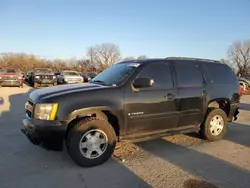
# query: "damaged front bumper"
47,134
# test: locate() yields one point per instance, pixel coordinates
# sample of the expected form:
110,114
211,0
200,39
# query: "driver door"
152,109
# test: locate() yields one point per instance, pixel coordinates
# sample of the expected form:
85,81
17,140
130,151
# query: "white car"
69,77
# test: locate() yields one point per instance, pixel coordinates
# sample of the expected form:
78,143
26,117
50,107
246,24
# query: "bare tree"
232,65
128,58
239,56
106,53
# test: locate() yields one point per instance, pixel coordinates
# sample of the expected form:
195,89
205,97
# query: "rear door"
191,88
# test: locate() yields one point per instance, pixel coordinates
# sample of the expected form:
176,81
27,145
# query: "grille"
9,77
31,103
46,77
28,112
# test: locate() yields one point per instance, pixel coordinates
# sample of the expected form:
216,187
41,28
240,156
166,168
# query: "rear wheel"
91,142
215,124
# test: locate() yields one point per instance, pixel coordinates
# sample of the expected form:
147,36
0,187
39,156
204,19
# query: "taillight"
0,78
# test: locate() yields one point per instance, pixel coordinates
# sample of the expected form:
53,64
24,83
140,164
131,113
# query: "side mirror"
143,82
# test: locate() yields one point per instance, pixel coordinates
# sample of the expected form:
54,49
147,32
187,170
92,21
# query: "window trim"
153,88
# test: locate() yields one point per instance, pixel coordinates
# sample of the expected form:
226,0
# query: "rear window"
221,74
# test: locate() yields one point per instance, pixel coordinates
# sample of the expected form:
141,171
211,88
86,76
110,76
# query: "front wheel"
91,142
215,125
35,85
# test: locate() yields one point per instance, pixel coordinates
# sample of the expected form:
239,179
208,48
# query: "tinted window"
160,73
221,74
188,74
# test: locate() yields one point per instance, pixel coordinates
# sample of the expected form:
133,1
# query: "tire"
212,134
82,131
21,86
35,85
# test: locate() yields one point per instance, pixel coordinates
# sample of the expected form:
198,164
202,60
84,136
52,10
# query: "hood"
61,90
44,73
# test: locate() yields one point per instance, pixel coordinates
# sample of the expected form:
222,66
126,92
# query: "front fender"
90,111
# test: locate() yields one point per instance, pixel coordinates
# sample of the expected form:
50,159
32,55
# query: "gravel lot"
183,161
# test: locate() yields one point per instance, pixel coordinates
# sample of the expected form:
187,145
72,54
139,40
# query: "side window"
188,74
221,74
160,73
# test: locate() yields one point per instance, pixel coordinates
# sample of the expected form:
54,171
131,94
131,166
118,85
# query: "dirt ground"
183,161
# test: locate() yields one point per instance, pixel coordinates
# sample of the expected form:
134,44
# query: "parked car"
245,87
27,76
11,77
91,75
69,77
84,76
42,77
133,100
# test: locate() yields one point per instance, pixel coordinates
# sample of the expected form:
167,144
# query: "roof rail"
190,58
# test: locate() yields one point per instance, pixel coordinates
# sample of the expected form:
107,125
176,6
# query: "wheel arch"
222,103
106,113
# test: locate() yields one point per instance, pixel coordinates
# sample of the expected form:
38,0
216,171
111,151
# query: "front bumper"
11,83
48,134
45,81
73,82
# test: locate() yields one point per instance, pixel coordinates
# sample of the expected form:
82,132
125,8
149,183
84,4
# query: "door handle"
170,96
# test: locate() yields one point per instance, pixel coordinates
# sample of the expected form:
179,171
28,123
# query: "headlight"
54,77
37,77
45,111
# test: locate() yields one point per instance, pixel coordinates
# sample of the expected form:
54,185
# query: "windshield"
10,71
42,70
115,74
71,74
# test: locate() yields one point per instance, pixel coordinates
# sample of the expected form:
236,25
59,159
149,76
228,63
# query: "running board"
145,137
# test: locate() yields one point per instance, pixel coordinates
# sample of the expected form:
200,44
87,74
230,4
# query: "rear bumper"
233,114
47,134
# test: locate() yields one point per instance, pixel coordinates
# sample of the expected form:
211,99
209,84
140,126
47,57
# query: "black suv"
42,77
133,100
